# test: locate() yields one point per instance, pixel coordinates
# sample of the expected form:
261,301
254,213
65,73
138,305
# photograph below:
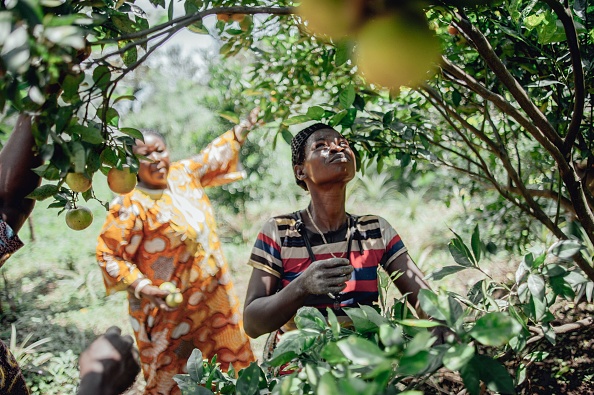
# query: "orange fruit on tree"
79,218
78,182
397,49
237,17
332,18
121,181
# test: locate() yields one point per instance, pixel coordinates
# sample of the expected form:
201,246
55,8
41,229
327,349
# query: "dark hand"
326,276
109,365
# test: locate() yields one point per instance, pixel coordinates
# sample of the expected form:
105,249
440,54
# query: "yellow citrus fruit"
332,18
167,286
79,218
78,182
174,299
397,50
121,181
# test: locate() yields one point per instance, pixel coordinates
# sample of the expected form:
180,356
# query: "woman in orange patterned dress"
165,231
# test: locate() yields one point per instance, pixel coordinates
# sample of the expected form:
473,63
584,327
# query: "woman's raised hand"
326,276
245,126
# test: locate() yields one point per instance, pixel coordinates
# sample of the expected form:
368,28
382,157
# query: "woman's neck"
328,211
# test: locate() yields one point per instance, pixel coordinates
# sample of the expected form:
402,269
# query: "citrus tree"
500,92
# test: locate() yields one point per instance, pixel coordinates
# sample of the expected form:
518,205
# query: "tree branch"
566,18
485,50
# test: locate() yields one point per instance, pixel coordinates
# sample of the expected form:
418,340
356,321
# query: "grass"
52,288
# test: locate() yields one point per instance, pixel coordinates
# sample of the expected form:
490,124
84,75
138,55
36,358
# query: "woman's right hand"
326,276
157,296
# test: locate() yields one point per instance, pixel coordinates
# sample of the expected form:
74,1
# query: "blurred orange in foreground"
332,18
397,50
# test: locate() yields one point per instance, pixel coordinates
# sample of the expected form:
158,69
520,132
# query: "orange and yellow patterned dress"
170,235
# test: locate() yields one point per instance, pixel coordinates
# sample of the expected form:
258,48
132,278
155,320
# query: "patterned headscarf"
298,146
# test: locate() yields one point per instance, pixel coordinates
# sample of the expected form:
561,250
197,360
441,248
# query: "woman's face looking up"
153,170
328,158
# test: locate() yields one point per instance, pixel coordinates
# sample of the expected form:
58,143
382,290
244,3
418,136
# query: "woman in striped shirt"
322,256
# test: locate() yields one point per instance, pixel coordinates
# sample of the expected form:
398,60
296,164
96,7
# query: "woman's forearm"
16,178
268,313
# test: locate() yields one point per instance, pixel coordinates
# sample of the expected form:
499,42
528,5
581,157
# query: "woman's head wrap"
298,146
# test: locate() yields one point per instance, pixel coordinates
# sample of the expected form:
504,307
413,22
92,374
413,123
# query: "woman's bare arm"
16,178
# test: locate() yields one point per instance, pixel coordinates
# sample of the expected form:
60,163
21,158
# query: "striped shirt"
281,250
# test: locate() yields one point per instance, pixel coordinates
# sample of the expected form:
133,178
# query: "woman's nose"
336,147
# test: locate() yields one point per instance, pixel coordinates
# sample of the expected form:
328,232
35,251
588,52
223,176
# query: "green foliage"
393,353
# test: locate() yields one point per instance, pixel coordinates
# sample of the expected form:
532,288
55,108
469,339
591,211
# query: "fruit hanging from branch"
334,19
78,182
121,181
79,218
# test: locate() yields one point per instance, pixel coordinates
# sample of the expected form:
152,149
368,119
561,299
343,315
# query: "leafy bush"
392,352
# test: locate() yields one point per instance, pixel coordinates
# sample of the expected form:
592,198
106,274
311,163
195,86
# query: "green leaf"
132,132
495,329
195,365
332,354
229,116
333,322
327,385
360,320
78,157
565,249
460,255
310,318
494,375
391,336
445,271
248,381
346,97
43,192
458,356
287,136
417,323
414,364
87,133
130,56
315,113
296,120
430,304
189,387
361,351
476,244
421,342
343,52
470,377
536,285
101,76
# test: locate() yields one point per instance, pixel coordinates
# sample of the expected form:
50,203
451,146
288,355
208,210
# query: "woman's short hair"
298,147
153,132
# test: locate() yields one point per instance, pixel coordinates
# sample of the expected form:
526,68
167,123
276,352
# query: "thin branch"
565,328
465,79
565,16
485,50
188,19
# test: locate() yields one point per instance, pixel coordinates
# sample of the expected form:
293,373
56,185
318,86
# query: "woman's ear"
299,173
